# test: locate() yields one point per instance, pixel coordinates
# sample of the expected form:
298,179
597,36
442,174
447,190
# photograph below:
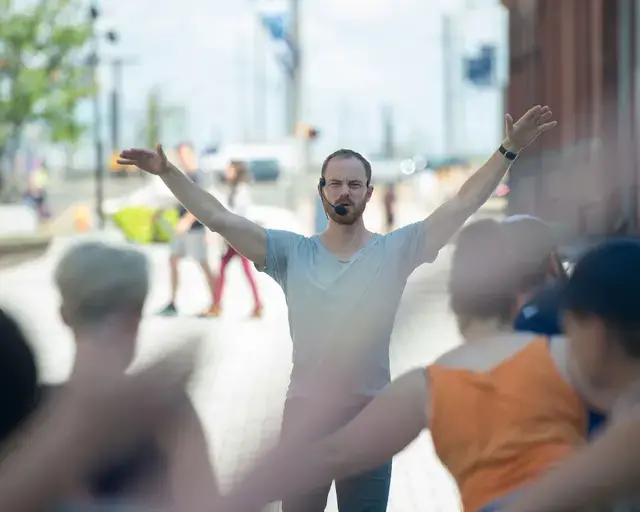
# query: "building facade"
580,57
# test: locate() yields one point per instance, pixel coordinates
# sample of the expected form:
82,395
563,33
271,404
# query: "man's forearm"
206,208
446,220
479,187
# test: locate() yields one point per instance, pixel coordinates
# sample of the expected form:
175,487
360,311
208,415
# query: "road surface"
63,194
240,388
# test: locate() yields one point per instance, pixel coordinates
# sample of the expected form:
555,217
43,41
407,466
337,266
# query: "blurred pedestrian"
238,201
602,318
18,377
37,191
103,290
89,422
535,244
189,239
390,206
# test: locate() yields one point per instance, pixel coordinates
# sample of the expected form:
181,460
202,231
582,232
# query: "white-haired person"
104,288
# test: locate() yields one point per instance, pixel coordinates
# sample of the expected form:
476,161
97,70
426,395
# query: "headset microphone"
340,209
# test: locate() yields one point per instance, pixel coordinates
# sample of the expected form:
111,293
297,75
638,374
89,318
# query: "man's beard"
354,212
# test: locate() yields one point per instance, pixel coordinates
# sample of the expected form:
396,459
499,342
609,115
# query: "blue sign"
275,18
480,69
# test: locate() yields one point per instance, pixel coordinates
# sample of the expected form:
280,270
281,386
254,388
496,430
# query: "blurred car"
446,163
264,169
261,169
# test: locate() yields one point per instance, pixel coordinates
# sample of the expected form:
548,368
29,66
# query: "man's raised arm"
445,221
246,237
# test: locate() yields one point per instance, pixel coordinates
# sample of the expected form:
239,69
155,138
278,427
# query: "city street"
239,390
258,94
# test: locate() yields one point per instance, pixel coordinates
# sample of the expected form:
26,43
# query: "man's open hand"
527,129
153,162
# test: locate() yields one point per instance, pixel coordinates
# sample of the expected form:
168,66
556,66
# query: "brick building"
580,57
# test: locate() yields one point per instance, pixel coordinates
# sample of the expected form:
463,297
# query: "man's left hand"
527,129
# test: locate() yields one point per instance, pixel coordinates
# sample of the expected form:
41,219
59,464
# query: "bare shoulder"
484,355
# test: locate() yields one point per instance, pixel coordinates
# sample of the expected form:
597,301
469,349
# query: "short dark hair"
483,280
344,154
18,377
605,284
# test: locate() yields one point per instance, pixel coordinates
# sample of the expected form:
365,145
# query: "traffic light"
308,132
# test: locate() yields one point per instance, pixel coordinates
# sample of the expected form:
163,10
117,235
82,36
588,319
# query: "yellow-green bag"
145,225
165,225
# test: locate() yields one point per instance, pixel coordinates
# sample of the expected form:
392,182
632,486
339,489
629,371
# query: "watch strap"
509,155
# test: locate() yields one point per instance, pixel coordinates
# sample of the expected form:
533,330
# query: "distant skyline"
358,55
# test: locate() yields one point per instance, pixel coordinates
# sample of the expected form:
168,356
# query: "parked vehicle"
266,162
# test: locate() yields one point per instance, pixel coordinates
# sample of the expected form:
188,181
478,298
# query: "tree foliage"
44,69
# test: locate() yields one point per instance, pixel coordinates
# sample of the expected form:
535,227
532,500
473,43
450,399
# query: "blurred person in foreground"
93,418
102,285
602,319
238,201
343,288
18,377
189,239
535,245
501,408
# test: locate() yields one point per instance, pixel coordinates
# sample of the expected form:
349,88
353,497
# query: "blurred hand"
527,129
153,162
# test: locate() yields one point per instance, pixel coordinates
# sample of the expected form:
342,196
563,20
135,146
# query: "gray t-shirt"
341,313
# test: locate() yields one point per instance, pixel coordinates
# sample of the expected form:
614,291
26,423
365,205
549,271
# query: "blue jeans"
368,492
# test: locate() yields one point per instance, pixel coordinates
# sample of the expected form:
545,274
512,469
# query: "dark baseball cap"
606,283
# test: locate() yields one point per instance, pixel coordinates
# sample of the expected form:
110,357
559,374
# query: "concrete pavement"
245,364
63,194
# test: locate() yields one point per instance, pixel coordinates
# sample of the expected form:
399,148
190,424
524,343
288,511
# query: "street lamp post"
97,119
98,140
117,65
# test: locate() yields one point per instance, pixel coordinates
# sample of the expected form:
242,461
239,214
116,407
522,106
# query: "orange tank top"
497,430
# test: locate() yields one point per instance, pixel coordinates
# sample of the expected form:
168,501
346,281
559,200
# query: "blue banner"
275,18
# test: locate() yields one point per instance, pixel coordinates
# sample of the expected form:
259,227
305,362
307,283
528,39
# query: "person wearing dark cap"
602,319
535,246
534,243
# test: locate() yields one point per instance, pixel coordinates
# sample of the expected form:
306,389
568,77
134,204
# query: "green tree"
44,71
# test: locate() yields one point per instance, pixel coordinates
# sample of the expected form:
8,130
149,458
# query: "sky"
357,56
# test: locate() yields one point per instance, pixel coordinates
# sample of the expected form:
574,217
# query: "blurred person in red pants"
238,201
